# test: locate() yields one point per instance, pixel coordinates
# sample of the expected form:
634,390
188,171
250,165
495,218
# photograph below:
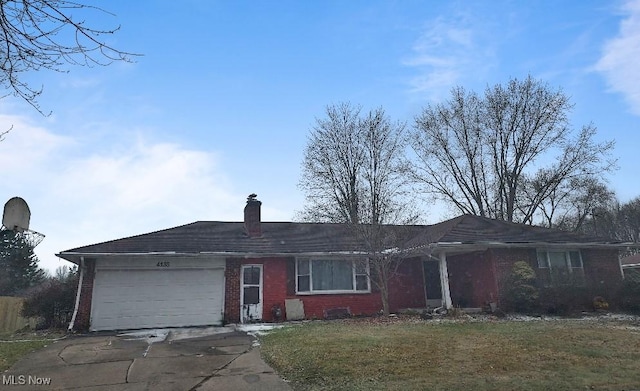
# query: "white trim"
335,292
571,271
70,256
489,244
444,281
73,256
260,304
155,262
567,258
311,291
429,247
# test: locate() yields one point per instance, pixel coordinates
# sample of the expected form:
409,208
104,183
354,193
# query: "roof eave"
491,244
76,256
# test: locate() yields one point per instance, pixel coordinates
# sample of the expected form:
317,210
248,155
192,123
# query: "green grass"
15,346
360,355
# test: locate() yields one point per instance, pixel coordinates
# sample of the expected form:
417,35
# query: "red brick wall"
358,304
602,271
274,288
275,292
472,280
232,290
601,267
83,316
503,260
407,289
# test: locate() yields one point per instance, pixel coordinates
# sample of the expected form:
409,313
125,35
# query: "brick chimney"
252,217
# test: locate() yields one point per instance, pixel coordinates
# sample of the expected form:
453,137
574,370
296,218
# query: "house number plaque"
163,264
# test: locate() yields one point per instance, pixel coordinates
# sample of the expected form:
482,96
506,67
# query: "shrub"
521,291
53,301
630,292
566,299
599,303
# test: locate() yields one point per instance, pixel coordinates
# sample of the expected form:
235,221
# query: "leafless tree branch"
507,154
45,34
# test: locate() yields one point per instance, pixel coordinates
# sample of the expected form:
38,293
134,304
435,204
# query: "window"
561,267
331,276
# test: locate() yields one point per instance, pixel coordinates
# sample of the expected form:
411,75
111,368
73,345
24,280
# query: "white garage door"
133,299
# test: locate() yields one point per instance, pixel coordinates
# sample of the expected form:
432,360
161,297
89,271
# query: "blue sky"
220,103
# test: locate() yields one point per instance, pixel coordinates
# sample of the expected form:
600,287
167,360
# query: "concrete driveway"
222,359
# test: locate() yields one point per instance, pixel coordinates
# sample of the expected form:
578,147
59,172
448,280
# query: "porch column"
444,281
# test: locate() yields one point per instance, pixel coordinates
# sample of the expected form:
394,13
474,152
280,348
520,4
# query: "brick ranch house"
210,273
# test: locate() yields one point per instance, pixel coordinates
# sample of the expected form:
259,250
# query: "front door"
432,283
251,293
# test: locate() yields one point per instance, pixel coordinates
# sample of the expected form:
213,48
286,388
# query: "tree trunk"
383,284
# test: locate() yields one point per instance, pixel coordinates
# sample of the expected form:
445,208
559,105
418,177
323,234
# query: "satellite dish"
16,215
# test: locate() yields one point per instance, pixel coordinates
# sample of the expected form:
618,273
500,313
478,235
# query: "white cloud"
26,146
152,182
447,51
78,198
621,56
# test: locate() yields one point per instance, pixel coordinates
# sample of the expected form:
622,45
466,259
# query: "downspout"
75,309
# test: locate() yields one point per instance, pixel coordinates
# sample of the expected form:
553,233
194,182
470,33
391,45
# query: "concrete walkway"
178,360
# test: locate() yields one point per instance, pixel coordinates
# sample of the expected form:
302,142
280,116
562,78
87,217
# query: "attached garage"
157,292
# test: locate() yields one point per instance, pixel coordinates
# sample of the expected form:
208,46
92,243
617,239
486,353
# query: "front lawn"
14,347
418,355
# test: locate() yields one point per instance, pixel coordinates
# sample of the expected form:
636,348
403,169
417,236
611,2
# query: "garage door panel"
128,299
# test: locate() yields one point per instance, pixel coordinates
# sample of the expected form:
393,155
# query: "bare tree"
451,154
387,246
484,154
331,170
602,214
630,220
352,173
49,34
571,203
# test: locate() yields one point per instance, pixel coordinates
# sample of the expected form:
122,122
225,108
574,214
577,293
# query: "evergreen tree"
18,264
522,293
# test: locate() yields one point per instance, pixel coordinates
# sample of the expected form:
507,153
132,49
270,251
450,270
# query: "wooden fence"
10,319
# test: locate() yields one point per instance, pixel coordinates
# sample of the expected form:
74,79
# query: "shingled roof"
315,238
631,260
475,229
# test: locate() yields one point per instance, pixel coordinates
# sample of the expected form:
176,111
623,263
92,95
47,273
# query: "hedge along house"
209,273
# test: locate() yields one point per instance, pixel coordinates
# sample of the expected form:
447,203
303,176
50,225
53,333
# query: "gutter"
75,309
459,245
74,257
